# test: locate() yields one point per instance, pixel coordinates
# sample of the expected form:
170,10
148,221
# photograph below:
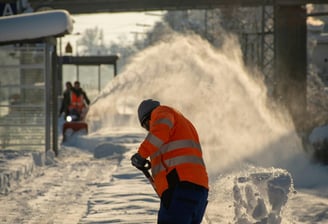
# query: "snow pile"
108,149
256,195
19,165
319,135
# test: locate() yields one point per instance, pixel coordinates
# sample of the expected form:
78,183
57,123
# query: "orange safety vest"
173,143
77,102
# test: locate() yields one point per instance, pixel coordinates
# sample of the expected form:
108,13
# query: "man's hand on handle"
143,165
139,162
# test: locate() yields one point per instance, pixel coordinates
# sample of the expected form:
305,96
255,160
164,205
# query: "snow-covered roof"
32,26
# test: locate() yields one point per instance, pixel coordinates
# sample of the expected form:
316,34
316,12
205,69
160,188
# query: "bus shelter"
28,82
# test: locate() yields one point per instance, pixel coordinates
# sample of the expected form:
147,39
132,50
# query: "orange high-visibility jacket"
77,102
173,143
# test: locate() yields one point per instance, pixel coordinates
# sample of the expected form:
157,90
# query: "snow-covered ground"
258,170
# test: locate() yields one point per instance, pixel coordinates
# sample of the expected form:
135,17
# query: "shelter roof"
33,26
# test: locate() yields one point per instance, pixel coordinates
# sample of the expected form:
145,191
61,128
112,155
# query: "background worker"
177,164
79,101
78,90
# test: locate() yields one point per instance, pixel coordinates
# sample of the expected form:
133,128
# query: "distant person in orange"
78,101
177,165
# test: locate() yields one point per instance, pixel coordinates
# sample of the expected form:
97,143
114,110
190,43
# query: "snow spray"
236,122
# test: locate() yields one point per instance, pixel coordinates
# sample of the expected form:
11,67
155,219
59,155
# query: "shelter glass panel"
93,78
22,96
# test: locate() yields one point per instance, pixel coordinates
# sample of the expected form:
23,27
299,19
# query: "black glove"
138,161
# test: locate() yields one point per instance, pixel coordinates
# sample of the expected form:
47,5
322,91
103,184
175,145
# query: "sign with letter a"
8,9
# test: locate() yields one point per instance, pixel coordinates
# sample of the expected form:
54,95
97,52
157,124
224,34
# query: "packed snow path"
126,198
57,193
83,186
94,182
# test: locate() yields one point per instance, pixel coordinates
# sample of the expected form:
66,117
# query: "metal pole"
99,79
47,104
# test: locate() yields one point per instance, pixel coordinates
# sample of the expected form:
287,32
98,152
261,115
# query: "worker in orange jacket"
78,101
177,165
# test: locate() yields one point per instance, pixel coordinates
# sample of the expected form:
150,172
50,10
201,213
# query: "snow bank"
256,195
108,149
16,166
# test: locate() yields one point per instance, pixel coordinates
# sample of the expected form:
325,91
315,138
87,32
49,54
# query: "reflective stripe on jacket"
173,143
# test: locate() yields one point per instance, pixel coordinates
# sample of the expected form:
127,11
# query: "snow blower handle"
145,171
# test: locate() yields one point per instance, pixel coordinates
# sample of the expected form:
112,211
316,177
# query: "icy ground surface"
92,181
91,184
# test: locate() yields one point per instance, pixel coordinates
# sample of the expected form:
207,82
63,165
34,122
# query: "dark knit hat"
145,108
